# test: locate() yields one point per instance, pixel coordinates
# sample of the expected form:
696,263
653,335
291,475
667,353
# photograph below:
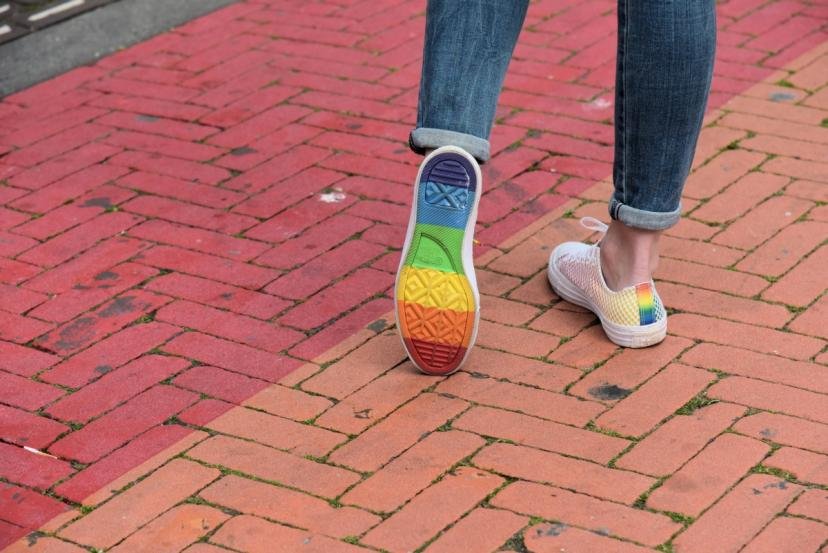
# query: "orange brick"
536,290
358,368
301,439
769,125
719,172
174,530
762,222
582,476
786,430
710,278
757,365
414,470
784,250
505,311
812,76
541,403
738,516
725,306
577,509
432,510
772,397
520,341
797,168
708,475
739,197
288,402
813,504
749,337
809,190
125,513
562,323
805,465
785,147
789,534
366,406
691,230
43,544
399,431
680,438
271,464
812,321
288,506
532,254
518,369
656,400
711,142
555,538
804,283
589,347
616,378
254,535
698,252
480,530
495,284
777,110
551,436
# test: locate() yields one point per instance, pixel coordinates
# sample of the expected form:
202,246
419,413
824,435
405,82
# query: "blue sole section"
445,193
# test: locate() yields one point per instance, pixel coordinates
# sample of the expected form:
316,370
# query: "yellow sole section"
436,289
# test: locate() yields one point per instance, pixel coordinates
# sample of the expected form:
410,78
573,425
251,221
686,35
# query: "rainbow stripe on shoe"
437,302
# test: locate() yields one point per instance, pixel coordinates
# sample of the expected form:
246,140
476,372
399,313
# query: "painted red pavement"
186,222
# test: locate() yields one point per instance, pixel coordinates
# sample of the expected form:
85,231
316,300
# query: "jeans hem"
639,218
424,138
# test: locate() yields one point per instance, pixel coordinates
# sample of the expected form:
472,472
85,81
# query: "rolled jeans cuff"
424,138
639,218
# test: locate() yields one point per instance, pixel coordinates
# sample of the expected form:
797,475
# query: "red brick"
552,538
107,319
670,445
772,397
745,336
27,508
370,404
807,466
62,166
190,192
384,212
229,386
812,503
356,107
654,401
97,259
757,365
211,267
582,476
546,435
200,240
399,431
115,520
803,283
173,167
276,198
152,107
18,300
115,387
786,430
294,508
604,517
37,471
69,119
20,329
271,464
120,425
540,403
24,361
795,534
83,296
156,125
282,166
708,475
231,356
337,298
738,516
189,214
106,470
432,510
13,244
25,429
27,393
260,536
278,432
204,411
762,222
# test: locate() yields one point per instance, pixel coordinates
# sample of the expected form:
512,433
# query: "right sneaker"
436,297
633,317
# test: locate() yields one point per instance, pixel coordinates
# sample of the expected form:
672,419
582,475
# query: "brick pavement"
197,250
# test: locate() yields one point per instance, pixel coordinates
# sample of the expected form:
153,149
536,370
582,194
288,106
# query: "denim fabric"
664,68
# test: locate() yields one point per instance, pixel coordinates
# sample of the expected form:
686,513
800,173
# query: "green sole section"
436,247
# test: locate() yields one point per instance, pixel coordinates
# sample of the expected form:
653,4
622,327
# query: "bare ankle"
629,255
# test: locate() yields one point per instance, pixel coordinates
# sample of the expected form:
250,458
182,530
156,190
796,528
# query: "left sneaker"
633,317
436,297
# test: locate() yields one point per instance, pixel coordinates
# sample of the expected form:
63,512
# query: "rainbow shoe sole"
436,297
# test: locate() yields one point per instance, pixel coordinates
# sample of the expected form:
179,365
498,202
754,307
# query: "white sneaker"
632,317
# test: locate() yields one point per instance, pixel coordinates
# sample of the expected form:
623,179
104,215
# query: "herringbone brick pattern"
199,237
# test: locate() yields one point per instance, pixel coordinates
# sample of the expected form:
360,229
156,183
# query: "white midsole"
626,336
466,257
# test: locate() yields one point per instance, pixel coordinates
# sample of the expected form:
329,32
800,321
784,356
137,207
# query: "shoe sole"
626,336
436,297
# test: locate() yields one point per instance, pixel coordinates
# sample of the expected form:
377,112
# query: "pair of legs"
663,71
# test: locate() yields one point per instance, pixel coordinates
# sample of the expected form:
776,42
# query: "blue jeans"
664,68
